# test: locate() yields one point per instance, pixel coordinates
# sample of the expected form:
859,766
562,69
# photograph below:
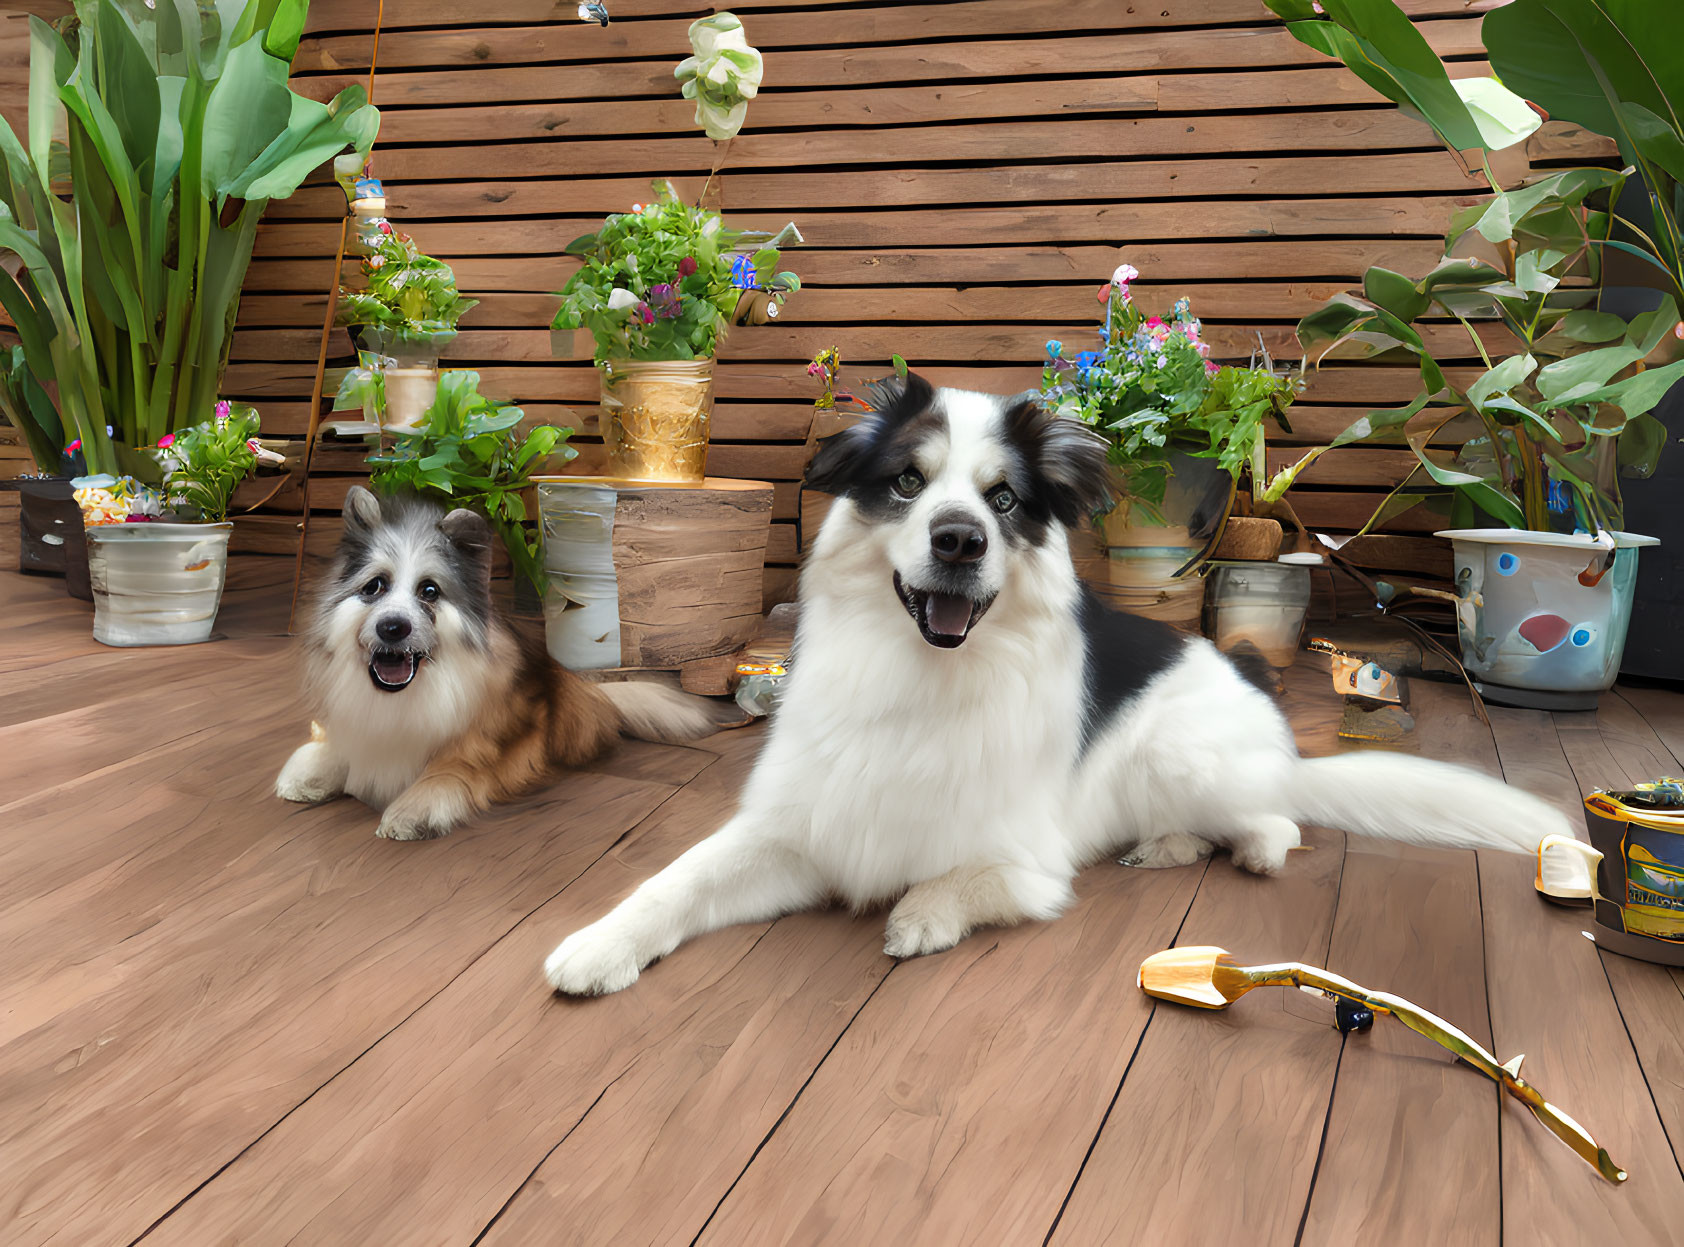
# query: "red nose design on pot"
1545,632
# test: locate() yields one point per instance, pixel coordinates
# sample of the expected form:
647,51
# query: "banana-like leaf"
1640,446
1638,395
1379,44
1501,379
248,108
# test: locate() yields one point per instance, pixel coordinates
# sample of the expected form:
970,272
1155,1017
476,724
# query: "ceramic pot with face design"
1543,613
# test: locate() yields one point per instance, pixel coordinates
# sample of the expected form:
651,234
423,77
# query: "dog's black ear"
1066,457
837,462
898,398
362,511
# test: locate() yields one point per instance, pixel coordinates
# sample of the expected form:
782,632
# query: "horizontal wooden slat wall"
966,173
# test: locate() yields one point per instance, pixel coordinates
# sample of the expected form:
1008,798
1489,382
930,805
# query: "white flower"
1124,275
620,299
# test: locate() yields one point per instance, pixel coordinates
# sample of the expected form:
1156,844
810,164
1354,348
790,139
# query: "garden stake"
1206,978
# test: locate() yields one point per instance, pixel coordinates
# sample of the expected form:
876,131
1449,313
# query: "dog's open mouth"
393,669
944,619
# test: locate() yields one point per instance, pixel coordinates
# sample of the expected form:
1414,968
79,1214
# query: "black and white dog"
965,726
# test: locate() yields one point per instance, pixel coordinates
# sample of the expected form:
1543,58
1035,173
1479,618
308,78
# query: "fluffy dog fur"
965,726
429,706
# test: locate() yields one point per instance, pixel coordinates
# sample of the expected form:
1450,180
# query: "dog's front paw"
402,822
310,775
920,925
592,962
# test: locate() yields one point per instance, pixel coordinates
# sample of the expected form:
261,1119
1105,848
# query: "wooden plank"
583,42
1219,1094
1102,183
441,1123
931,1097
1411,1145
1578,1054
176,1031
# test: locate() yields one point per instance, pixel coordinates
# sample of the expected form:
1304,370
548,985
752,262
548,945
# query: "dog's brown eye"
428,591
1004,499
374,588
909,482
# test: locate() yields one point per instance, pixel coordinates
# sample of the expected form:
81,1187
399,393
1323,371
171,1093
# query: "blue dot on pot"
1583,635
1507,563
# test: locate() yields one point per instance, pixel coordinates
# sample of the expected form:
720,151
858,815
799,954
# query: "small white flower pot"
157,583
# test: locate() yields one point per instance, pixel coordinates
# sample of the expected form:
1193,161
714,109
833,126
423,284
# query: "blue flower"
1055,348
742,273
1086,359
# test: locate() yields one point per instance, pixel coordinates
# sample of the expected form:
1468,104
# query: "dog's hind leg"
314,772
738,874
1260,842
938,913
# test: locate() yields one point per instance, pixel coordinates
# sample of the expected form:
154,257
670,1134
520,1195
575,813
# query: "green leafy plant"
1153,391
204,463
664,281
1559,415
410,303
466,453
722,76
1611,66
180,128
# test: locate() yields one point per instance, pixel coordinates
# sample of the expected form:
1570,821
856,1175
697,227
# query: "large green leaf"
1639,394
127,74
1501,379
1379,44
314,133
249,108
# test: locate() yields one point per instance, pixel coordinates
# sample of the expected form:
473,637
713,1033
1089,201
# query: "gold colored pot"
655,416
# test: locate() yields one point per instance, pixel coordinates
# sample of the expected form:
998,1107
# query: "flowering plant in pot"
172,132
467,452
658,289
1180,428
407,313
158,557
1544,570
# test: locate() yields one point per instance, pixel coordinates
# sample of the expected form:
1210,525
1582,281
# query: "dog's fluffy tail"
1400,797
655,712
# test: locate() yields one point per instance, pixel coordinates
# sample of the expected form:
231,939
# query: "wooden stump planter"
649,576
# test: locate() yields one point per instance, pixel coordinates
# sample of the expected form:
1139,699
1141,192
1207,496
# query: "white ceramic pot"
157,584
582,592
1543,611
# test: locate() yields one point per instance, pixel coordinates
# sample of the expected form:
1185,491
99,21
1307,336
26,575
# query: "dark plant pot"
54,542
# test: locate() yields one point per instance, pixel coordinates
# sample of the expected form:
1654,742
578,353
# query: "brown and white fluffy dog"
428,704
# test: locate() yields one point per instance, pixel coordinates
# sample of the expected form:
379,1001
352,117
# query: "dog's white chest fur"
902,762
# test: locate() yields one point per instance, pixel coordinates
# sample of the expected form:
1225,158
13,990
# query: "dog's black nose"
958,541
392,629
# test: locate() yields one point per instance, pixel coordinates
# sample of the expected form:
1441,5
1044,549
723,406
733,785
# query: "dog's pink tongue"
394,668
947,614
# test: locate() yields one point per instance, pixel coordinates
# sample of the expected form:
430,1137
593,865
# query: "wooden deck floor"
227,1019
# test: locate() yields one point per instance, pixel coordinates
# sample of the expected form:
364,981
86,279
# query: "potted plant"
467,452
408,314
659,287
123,297
158,557
1180,429
1544,569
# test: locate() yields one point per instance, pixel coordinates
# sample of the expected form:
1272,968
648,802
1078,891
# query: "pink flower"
166,441
263,455
224,409
1155,323
385,227
815,369
1124,275
645,313
73,447
1212,367
686,266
